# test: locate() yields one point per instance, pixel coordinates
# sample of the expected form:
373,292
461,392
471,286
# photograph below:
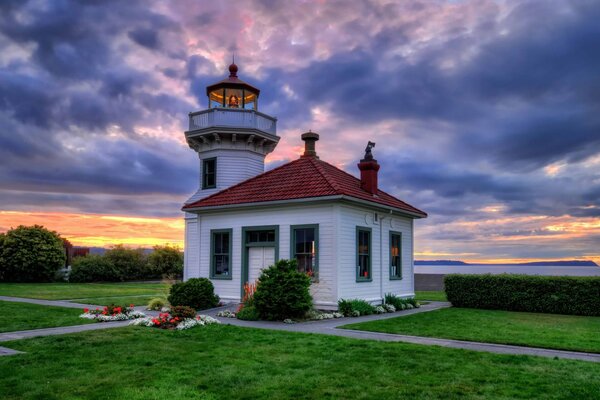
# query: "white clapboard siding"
348,220
192,247
324,292
233,166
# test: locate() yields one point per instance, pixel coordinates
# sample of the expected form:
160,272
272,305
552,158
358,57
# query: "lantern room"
232,92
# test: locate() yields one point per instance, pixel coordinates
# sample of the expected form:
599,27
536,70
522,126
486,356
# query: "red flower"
131,305
104,313
86,310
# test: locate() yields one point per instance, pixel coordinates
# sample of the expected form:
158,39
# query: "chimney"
368,171
310,138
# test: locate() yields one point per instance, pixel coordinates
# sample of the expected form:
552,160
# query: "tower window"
209,173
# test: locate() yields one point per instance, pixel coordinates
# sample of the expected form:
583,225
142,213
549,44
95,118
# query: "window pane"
300,234
225,243
222,265
305,262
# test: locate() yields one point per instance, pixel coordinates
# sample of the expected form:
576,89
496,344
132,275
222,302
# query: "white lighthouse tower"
232,139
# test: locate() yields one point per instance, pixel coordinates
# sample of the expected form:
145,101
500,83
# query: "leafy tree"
30,254
131,263
94,268
282,292
166,261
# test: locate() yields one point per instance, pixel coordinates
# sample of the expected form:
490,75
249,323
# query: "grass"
226,362
431,295
24,316
66,291
566,332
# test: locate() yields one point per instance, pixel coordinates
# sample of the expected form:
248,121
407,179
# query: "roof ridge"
330,181
241,183
378,189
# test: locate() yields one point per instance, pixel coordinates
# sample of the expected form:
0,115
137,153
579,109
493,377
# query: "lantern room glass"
232,98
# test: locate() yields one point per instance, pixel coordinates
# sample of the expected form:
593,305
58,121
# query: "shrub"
530,293
166,261
399,303
130,263
350,308
198,293
282,292
93,268
156,304
30,254
183,312
248,313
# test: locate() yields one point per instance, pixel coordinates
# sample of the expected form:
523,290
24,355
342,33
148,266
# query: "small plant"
248,313
400,303
380,310
282,292
112,313
350,307
156,304
389,308
198,293
226,314
183,312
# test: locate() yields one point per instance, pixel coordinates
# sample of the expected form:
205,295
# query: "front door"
258,259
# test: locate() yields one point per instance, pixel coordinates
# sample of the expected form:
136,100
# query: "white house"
353,238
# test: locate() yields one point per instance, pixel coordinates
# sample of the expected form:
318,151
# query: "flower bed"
112,313
168,321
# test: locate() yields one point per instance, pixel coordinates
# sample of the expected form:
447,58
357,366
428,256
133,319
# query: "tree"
166,261
130,263
30,254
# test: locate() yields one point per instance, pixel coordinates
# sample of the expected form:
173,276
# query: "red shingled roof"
306,177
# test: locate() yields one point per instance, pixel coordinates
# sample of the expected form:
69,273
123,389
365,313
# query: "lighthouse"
232,138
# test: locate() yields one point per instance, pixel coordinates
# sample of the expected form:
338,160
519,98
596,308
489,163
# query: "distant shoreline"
562,263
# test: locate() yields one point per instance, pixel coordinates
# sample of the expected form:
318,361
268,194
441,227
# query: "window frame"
356,248
204,174
213,274
395,277
293,228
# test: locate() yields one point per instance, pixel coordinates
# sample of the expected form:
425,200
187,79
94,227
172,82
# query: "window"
395,255
220,254
363,254
263,236
304,248
209,173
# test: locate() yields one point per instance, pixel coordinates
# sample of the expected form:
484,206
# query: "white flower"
409,306
389,307
226,314
337,315
380,310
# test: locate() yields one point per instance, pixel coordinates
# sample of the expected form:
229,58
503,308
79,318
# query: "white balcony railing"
233,118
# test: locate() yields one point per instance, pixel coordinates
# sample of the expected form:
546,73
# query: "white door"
259,258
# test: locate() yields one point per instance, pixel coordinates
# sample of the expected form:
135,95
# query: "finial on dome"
233,69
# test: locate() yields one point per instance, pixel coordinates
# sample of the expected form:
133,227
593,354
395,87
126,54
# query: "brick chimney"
310,138
368,167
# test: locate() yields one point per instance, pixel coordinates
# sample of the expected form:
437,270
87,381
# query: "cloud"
473,104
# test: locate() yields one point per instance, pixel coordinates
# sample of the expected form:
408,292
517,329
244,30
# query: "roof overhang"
311,200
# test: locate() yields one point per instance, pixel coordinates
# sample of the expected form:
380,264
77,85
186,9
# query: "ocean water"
510,269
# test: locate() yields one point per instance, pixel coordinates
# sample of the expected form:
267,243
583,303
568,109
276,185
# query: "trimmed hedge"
572,295
198,293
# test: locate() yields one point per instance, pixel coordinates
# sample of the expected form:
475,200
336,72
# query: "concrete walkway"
325,327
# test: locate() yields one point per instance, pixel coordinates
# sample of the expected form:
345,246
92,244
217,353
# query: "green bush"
401,303
166,261
355,307
198,293
156,304
182,312
94,268
530,293
131,263
30,254
282,292
248,313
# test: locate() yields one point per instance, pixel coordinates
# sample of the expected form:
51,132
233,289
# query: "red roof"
306,177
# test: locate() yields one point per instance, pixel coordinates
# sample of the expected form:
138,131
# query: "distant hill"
562,263
439,262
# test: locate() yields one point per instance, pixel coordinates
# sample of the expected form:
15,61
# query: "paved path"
56,303
326,327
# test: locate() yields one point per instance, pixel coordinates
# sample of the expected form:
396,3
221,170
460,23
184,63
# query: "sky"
485,113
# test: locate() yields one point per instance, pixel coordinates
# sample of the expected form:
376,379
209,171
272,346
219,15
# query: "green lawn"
227,362
64,291
553,331
432,295
24,316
